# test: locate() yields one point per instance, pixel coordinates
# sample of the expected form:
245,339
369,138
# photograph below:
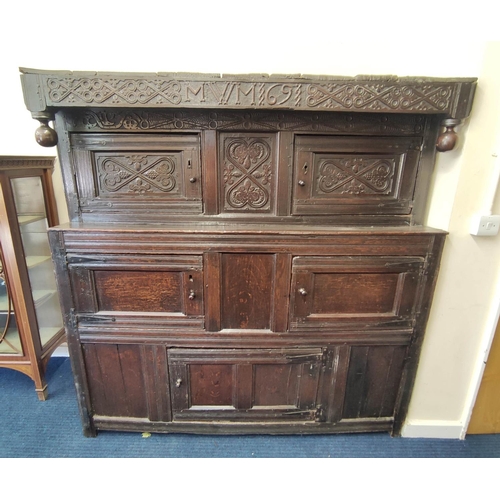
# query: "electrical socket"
485,225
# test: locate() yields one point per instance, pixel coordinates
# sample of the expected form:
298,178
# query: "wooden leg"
42,393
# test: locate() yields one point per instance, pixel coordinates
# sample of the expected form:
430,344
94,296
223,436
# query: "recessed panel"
355,293
137,291
247,291
276,385
211,385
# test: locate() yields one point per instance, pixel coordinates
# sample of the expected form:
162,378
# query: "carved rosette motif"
247,174
356,176
136,174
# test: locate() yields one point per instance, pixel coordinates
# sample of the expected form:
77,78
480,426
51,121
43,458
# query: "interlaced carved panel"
248,173
356,176
380,96
115,90
137,173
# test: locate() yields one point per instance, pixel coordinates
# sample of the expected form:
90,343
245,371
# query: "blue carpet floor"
32,428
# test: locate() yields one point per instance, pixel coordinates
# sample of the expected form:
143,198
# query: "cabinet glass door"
10,341
33,224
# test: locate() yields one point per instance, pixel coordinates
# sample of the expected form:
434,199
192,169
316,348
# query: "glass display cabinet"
31,325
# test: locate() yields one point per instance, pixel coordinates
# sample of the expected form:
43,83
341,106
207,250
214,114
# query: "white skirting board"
433,429
61,351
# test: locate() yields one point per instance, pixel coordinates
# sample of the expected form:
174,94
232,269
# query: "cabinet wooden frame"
343,403
303,235
35,354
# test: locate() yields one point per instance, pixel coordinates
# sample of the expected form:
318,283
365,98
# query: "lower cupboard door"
127,381
245,384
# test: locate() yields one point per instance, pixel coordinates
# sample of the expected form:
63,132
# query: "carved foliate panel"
354,175
247,173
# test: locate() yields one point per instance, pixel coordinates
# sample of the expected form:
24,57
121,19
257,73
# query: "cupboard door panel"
248,384
354,175
334,292
121,175
168,287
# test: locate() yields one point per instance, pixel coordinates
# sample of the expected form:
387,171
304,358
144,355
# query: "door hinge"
319,414
424,271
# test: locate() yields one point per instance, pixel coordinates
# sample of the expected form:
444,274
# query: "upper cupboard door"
122,176
354,175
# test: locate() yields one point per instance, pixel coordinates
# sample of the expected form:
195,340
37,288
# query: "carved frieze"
163,92
45,90
142,120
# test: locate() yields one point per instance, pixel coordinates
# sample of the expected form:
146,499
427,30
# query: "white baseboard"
61,351
433,429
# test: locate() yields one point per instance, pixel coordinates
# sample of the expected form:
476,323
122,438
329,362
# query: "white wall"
312,38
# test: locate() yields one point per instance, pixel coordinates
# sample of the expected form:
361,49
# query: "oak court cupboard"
245,253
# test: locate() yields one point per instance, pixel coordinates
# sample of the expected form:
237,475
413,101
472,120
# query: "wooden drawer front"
333,292
354,175
248,384
168,287
247,173
125,174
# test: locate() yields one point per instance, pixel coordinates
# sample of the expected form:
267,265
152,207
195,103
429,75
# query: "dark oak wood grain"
245,253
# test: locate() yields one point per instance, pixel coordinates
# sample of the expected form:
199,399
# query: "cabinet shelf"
11,339
25,219
36,260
